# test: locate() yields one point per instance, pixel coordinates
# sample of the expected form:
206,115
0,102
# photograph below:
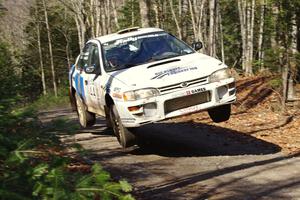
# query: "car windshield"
132,51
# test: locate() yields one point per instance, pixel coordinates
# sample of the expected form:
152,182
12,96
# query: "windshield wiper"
165,56
162,63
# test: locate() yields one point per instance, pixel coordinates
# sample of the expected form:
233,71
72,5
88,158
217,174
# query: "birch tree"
261,34
50,49
293,53
144,11
179,31
38,34
247,16
116,19
212,22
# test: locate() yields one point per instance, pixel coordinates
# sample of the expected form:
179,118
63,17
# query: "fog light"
134,108
222,91
150,109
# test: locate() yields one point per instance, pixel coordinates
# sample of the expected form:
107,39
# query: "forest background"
40,40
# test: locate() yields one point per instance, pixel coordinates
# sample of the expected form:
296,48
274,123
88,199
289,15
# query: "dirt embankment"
257,113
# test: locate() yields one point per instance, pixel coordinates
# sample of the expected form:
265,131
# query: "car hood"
183,68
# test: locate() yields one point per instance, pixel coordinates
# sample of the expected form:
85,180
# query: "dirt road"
191,161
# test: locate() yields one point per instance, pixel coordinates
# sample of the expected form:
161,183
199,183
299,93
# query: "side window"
84,57
94,57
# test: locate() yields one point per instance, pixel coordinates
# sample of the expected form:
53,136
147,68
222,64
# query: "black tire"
86,118
221,113
107,117
125,137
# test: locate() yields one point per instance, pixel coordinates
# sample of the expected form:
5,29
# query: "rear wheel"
125,137
86,118
220,113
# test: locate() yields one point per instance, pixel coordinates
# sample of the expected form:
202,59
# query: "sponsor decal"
117,89
173,71
124,41
195,91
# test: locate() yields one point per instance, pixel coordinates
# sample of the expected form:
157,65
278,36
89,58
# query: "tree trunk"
92,17
193,19
285,74
113,3
98,19
50,49
247,17
40,52
211,37
175,19
242,16
293,59
132,14
107,14
200,35
251,39
144,11
156,11
261,35
103,19
205,30
221,33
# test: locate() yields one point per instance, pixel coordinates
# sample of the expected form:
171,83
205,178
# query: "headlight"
220,75
140,94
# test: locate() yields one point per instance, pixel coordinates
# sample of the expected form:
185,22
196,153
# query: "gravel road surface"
190,161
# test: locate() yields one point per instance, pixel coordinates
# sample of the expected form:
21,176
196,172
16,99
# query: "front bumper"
160,107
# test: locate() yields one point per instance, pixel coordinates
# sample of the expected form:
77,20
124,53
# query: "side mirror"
197,46
90,69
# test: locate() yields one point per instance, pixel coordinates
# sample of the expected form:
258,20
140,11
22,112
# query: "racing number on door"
94,64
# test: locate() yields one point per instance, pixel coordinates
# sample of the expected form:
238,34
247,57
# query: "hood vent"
162,63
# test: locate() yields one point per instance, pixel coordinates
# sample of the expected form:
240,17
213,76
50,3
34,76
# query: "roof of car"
127,33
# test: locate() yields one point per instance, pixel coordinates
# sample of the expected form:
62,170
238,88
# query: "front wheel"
220,113
125,137
86,118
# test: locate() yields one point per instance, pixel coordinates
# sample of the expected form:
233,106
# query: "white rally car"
143,75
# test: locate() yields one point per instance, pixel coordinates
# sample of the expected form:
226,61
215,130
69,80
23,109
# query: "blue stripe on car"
82,87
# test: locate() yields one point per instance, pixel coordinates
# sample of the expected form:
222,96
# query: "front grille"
186,101
174,87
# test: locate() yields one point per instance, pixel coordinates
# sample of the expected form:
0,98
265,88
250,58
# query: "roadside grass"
49,100
35,165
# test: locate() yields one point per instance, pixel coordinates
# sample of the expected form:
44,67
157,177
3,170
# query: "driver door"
93,80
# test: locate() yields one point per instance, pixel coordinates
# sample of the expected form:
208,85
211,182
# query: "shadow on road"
178,139
197,139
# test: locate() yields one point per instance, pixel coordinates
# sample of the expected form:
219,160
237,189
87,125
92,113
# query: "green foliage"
28,169
276,83
130,13
49,101
57,184
231,29
8,76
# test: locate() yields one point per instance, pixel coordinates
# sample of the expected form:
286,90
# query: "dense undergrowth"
34,164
